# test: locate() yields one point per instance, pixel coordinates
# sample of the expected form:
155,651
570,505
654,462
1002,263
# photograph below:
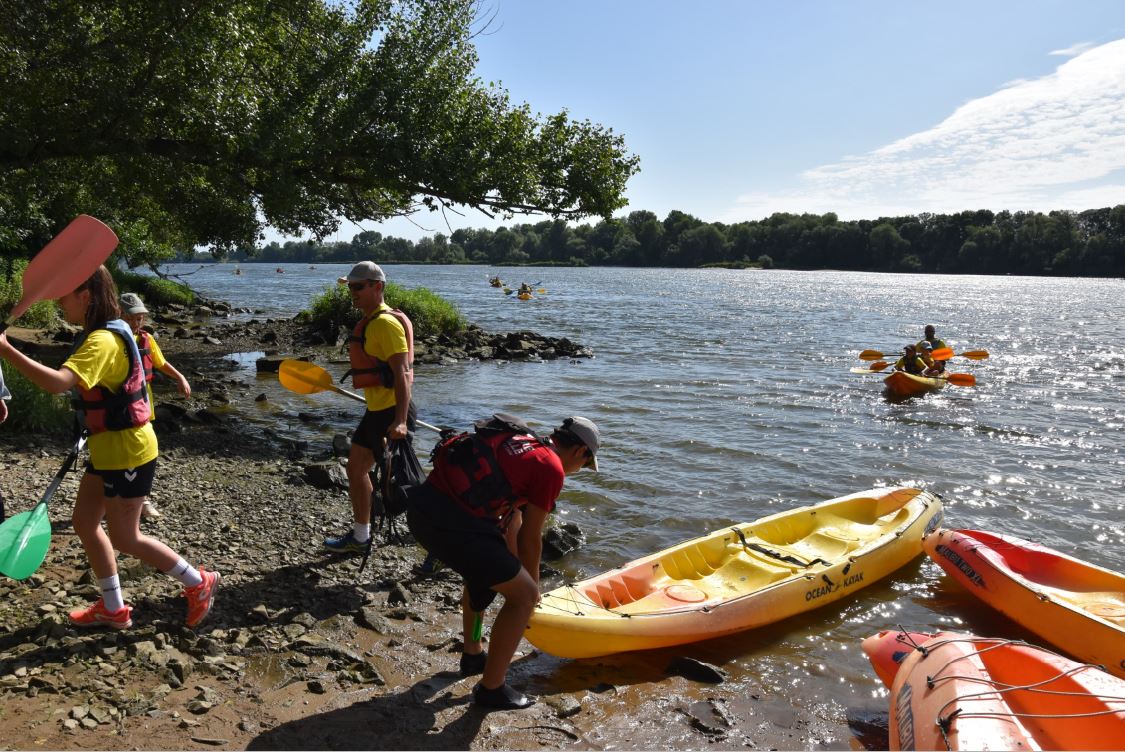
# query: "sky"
742,108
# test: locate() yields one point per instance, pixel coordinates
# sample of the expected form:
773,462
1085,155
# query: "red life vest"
367,370
98,408
144,347
470,472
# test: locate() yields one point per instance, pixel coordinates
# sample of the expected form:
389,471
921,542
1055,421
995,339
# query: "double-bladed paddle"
874,368
303,377
25,538
64,263
942,353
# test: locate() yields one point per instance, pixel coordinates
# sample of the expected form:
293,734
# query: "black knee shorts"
472,547
373,427
127,484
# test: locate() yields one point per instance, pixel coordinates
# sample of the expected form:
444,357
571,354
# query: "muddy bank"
301,651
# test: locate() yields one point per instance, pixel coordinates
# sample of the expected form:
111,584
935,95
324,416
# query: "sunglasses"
357,286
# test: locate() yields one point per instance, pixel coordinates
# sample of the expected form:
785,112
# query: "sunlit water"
724,396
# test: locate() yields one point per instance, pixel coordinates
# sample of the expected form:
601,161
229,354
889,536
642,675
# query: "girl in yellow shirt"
123,453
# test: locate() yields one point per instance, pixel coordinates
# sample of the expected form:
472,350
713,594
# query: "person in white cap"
482,487
133,311
381,354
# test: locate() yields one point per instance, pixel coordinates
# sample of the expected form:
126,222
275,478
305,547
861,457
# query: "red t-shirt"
533,470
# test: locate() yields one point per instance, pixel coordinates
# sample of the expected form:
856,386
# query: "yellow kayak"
903,384
524,296
738,578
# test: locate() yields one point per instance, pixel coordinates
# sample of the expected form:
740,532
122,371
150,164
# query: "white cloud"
1053,142
1073,50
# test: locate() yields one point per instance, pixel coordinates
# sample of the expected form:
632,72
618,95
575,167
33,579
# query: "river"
724,396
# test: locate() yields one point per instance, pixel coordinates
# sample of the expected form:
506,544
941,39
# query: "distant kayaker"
525,289
104,371
133,311
910,362
934,343
481,512
381,351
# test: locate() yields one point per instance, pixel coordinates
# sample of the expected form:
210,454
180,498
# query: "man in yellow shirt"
380,351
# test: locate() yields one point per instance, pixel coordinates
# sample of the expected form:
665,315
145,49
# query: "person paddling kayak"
133,311
466,514
934,343
910,362
111,401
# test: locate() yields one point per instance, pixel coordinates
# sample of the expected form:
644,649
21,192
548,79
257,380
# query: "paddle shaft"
359,398
71,458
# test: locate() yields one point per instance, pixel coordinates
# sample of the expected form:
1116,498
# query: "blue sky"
740,109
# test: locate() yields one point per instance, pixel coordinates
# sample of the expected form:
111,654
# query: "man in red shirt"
487,489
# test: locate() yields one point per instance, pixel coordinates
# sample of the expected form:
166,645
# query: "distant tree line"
1064,243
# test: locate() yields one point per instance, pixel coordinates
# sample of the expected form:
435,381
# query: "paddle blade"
942,353
304,378
879,365
24,540
975,354
66,262
862,370
870,355
962,379
542,291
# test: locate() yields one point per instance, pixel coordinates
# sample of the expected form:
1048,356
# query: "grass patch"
430,313
42,315
153,290
33,410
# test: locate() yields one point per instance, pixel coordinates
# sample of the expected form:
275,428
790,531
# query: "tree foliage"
1088,243
187,124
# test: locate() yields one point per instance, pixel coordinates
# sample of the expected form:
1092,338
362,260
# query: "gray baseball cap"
585,431
131,303
364,271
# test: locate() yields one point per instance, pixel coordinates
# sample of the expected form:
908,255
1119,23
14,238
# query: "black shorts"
133,483
373,427
472,547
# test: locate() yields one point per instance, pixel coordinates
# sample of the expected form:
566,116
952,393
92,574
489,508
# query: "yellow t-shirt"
102,361
383,337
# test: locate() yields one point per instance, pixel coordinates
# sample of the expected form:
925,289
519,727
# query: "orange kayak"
959,692
1070,603
903,384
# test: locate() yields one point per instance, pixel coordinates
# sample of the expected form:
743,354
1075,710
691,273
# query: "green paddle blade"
478,626
24,540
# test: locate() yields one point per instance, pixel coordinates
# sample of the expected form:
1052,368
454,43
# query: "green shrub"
430,313
153,290
42,315
33,410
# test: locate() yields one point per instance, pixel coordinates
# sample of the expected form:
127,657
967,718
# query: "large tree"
200,122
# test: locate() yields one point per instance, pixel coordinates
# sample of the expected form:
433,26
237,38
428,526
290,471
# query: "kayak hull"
961,692
903,384
738,578
1074,605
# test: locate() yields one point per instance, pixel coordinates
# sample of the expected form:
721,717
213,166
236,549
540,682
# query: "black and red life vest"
367,370
144,347
100,409
470,469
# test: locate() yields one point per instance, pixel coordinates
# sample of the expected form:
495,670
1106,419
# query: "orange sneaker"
200,597
96,616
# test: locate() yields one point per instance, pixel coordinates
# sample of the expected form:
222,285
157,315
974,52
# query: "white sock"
111,593
361,531
187,574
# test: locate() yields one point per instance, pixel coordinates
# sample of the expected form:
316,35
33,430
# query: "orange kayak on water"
962,692
903,384
1072,604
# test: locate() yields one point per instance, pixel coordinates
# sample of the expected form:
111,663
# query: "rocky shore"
303,651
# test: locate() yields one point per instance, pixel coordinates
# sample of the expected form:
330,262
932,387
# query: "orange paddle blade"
870,355
879,366
64,263
962,379
975,354
942,353
303,377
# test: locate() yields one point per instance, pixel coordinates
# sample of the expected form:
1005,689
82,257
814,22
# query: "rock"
212,341
689,668
326,476
562,539
565,705
316,686
199,707
372,618
261,397
341,445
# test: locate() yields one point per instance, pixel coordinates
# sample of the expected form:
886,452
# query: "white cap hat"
131,303
364,271
585,431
